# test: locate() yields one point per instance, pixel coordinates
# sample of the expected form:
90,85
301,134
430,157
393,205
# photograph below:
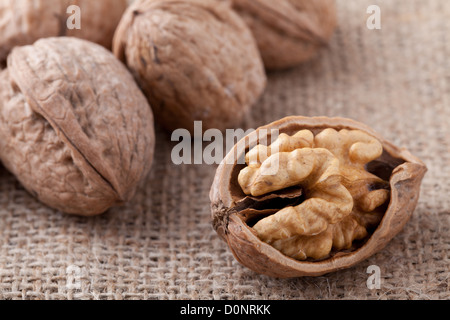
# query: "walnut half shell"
340,193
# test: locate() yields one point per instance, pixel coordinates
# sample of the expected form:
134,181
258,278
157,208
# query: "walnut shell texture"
74,127
22,22
232,211
288,32
195,61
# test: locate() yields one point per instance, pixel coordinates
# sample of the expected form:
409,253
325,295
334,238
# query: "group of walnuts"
77,112
77,129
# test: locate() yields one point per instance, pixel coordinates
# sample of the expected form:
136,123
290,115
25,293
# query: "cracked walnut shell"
288,32
75,129
326,194
195,61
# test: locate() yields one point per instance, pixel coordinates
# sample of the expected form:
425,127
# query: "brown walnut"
195,61
325,195
288,32
25,21
75,129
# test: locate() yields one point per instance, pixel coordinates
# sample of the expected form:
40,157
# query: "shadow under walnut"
235,213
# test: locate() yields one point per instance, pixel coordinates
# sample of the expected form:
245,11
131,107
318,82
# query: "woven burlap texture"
162,245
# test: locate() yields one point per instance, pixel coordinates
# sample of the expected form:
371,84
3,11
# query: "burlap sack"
162,245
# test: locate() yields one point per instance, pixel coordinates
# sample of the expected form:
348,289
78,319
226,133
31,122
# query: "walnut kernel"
335,185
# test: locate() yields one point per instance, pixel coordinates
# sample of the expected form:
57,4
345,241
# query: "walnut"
288,32
74,127
325,195
25,21
195,61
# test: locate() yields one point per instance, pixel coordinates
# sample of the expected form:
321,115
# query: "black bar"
198,309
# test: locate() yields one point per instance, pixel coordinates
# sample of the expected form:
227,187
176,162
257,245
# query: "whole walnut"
195,61
288,32
75,129
308,196
23,22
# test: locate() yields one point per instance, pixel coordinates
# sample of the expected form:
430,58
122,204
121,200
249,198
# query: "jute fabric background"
162,245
